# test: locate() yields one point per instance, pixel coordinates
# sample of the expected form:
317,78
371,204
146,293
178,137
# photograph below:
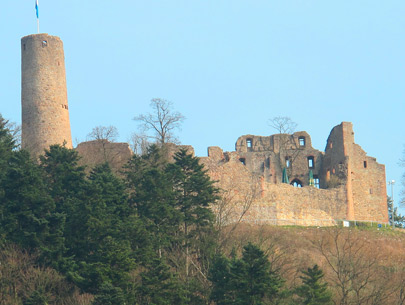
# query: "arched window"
296,183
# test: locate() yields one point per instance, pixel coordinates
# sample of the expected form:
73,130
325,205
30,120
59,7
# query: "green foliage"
159,286
109,295
399,220
313,291
248,280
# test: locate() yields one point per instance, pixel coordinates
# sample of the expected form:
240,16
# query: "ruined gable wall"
266,156
362,176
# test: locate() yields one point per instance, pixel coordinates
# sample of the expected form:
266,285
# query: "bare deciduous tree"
355,272
283,124
161,122
139,143
105,133
233,205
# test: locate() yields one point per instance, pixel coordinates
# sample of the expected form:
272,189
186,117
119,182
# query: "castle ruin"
342,183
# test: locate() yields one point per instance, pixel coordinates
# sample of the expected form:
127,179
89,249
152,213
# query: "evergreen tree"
7,144
245,281
153,198
159,286
220,276
29,216
194,192
313,291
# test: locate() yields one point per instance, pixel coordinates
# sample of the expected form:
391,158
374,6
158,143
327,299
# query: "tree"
355,273
193,193
283,124
248,280
104,133
161,122
139,143
399,220
313,291
159,286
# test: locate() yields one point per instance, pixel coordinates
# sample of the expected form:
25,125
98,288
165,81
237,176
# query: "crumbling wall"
267,156
361,175
97,152
352,183
247,197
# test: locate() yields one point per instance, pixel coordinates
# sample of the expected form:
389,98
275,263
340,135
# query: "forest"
71,235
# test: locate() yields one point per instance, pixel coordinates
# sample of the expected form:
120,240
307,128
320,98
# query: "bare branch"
107,133
283,124
161,122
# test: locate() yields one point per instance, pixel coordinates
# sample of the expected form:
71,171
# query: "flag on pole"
36,8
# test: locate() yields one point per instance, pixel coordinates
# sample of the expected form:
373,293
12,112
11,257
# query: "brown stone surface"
45,115
97,152
250,180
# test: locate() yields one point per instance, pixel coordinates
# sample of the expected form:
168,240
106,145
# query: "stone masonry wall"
97,152
352,183
247,197
45,115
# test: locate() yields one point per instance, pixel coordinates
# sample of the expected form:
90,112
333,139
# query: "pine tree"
220,276
313,291
153,198
248,280
193,192
159,286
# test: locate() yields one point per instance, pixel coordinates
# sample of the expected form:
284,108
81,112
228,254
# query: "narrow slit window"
365,164
287,162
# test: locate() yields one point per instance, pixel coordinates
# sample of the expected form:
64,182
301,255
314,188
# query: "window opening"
287,162
365,164
311,162
249,143
296,183
301,141
243,161
316,182
44,43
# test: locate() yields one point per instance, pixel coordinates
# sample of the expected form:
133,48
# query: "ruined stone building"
342,183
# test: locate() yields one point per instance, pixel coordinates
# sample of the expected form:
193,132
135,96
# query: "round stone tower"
45,111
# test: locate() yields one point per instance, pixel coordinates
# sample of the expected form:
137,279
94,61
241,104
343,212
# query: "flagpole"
37,13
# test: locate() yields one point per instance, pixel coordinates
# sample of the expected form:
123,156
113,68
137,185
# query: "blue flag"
36,8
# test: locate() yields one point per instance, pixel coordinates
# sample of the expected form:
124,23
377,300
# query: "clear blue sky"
227,65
